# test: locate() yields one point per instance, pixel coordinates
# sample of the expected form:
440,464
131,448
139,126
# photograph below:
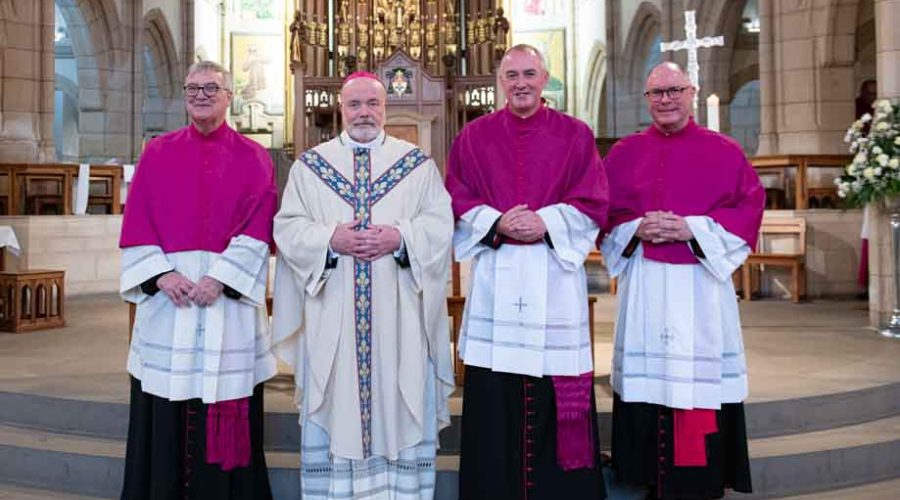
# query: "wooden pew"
779,164
795,261
39,189
105,189
35,189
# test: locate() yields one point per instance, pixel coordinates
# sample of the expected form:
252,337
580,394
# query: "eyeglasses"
210,89
671,93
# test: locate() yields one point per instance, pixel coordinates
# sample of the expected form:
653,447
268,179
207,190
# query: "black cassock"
508,448
166,459
642,452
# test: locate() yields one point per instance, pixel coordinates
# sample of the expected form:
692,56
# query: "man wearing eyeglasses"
195,249
685,210
529,195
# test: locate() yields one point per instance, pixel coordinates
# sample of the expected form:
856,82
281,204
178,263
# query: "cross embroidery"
362,194
666,336
520,304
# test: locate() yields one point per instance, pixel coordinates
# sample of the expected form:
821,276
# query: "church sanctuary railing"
800,180
47,188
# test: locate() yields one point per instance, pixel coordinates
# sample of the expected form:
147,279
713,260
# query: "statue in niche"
343,37
299,38
501,28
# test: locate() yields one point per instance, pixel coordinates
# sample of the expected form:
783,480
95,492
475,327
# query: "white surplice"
678,332
215,353
527,309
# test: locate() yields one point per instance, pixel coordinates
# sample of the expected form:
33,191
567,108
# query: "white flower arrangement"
874,173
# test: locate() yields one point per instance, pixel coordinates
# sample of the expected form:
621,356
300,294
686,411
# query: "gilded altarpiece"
437,59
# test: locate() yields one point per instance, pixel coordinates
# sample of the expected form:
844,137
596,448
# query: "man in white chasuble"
364,236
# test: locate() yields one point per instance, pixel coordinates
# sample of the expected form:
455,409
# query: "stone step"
764,418
884,490
784,465
95,466
13,492
825,460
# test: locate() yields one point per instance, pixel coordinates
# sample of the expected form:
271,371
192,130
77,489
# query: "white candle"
712,112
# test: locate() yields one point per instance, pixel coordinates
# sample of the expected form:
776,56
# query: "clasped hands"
183,291
369,243
663,227
522,224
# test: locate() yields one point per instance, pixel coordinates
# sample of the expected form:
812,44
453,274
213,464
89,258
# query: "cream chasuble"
363,336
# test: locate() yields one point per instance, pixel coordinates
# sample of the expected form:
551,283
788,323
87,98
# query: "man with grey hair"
360,309
529,195
195,249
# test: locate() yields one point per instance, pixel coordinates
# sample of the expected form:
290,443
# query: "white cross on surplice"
691,43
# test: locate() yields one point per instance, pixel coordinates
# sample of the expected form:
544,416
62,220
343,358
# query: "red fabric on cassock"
196,192
574,433
694,171
228,434
691,428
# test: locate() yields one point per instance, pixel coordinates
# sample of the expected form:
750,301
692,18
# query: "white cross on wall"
691,43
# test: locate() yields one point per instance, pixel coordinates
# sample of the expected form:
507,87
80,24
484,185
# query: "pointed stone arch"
104,36
158,40
93,41
645,27
595,78
644,30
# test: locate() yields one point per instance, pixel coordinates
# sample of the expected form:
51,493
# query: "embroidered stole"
362,194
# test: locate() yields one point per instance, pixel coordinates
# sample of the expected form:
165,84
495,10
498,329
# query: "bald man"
685,210
364,236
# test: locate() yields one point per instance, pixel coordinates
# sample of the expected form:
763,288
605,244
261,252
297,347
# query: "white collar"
346,140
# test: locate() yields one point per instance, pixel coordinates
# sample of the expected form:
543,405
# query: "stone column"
806,77
881,262
26,80
887,19
768,140
298,69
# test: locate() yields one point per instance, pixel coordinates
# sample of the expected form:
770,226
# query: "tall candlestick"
712,112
